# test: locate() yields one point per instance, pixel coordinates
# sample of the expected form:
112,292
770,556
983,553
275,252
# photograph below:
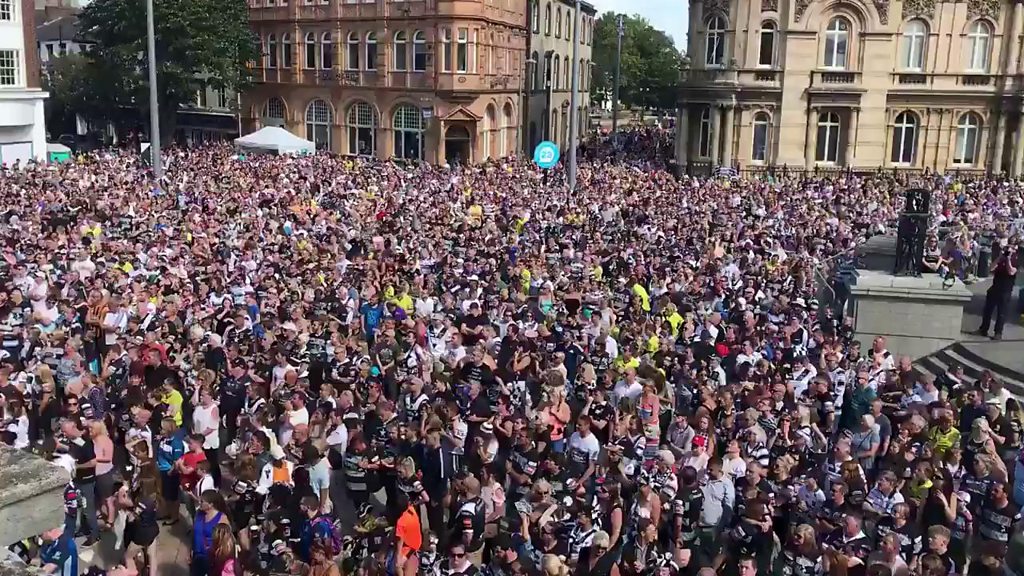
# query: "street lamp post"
154,112
574,117
620,29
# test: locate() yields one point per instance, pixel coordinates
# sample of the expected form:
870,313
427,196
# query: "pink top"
104,447
228,569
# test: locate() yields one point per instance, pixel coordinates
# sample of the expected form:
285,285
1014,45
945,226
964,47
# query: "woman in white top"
206,421
17,424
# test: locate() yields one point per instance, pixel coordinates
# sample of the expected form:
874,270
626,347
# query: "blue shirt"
371,315
63,553
169,450
313,530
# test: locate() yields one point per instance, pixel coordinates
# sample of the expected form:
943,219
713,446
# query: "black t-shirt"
83,451
473,322
1002,280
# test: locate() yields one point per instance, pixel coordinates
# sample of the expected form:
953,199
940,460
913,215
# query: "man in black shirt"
997,298
81,448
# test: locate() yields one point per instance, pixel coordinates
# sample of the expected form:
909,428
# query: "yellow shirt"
645,299
405,303
174,402
623,364
943,441
675,320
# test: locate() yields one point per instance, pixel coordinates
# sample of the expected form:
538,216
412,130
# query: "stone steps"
973,364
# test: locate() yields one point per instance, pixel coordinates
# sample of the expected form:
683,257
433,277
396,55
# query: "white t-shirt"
338,439
19,427
589,445
202,419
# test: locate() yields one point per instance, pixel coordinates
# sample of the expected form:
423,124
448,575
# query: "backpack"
324,524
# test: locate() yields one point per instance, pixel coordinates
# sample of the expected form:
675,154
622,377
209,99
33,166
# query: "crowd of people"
327,365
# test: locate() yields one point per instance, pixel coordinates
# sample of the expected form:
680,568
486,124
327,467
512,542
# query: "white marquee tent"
275,141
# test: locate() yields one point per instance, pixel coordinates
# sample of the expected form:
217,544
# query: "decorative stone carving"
769,5
716,7
983,9
801,7
918,8
882,6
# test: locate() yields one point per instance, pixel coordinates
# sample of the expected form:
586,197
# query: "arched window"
536,69
762,135
273,112
566,74
326,51
837,42
904,138
557,73
507,126
547,18
362,129
408,127
568,25
352,61
766,50
419,51
558,22
535,8
401,50
915,37
310,60
968,130
828,138
371,50
489,122
318,124
714,49
704,136
286,51
272,51
553,128
978,39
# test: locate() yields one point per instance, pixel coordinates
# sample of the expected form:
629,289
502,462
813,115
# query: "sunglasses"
458,554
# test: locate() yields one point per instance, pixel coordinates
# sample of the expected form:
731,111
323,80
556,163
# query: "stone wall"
31,495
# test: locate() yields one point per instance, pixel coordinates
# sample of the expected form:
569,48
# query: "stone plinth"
917,316
31,495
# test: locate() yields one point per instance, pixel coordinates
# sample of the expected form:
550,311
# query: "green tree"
79,84
198,43
649,67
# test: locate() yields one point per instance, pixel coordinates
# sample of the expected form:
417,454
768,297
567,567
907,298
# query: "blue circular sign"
546,154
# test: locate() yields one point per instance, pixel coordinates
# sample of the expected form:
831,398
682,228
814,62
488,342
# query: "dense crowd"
328,365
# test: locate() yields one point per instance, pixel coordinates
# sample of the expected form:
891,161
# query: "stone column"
696,17
716,125
812,113
683,137
996,165
728,133
1018,149
852,133
1012,39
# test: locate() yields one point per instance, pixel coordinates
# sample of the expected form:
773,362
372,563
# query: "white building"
22,126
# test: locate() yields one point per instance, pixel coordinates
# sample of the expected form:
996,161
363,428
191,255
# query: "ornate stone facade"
984,9
814,83
918,9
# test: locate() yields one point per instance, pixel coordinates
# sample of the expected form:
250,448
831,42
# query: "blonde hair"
98,425
554,566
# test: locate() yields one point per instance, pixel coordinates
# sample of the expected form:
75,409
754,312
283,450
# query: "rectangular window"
6,10
201,97
311,54
222,98
446,48
10,71
462,54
